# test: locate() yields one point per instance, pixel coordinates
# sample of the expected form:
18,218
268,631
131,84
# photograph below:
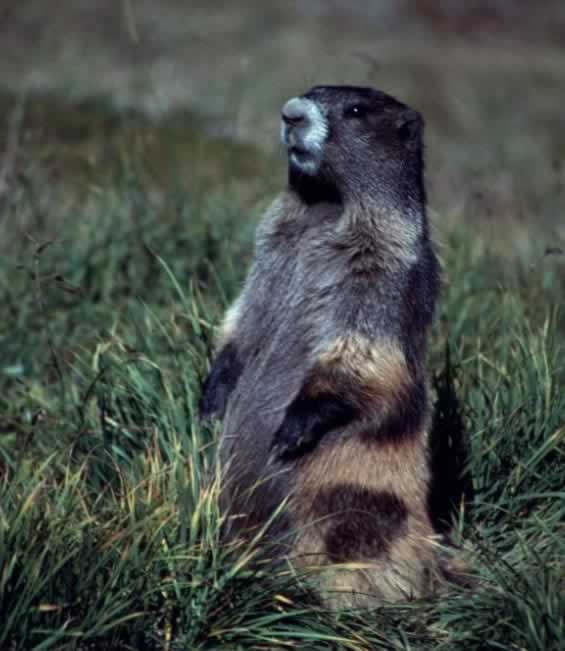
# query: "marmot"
320,372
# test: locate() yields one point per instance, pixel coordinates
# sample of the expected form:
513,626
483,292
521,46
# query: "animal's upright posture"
320,374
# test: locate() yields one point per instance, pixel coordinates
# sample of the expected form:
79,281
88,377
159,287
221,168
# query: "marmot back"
320,371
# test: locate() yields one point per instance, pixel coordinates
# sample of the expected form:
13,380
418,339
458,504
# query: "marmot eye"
356,111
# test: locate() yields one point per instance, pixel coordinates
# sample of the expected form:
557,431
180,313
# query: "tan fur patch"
411,563
409,570
395,233
401,467
229,323
398,468
378,369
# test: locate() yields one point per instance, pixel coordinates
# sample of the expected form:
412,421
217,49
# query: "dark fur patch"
342,378
308,419
313,190
220,383
419,295
452,483
406,421
363,522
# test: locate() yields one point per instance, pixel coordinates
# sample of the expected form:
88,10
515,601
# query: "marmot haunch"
320,375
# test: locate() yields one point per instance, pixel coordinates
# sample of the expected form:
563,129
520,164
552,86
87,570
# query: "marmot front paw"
293,437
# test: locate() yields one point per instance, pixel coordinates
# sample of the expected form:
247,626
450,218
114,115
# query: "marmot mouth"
303,159
300,156
298,150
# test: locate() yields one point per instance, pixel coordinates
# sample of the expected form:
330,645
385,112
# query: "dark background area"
488,77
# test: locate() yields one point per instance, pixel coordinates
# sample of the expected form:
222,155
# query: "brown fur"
320,372
376,371
407,566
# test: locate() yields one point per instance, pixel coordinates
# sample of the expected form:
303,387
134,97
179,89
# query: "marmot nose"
294,112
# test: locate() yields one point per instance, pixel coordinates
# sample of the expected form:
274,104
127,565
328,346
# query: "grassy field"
119,249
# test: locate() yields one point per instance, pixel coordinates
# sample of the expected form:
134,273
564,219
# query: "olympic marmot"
320,372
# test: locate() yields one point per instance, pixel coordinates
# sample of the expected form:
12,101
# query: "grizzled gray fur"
319,376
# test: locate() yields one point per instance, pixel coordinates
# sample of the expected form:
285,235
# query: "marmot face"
350,139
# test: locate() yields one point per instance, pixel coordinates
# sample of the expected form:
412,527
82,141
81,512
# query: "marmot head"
349,142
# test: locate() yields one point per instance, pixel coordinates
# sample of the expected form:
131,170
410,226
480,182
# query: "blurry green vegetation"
122,242
89,143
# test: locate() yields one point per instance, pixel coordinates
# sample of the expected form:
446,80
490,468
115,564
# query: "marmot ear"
410,125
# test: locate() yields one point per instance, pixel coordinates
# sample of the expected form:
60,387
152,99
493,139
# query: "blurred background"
189,85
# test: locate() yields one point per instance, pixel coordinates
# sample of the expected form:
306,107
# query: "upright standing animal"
320,371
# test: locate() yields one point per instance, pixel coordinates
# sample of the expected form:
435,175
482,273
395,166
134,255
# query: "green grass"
108,519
